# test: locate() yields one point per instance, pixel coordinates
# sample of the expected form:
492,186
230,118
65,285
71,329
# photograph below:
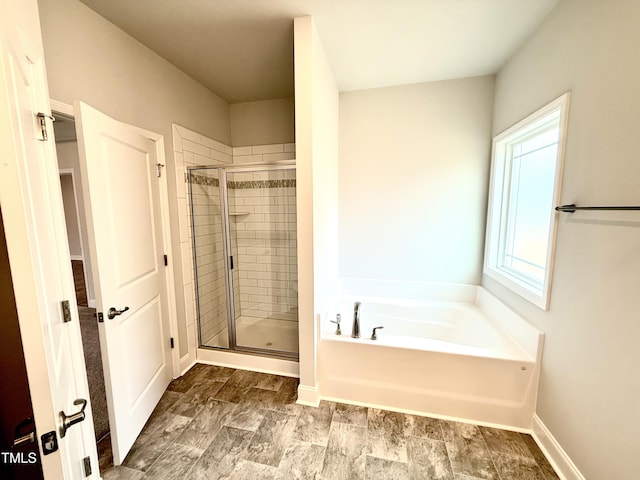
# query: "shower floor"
266,333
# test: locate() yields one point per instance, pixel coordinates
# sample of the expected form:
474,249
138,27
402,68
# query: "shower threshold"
254,361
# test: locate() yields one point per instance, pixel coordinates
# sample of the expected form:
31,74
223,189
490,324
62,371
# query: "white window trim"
498,199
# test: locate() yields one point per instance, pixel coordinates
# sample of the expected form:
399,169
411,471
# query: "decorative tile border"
282,183
247,184
201,180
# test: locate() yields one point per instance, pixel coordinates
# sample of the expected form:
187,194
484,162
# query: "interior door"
33,220
16,413
119,166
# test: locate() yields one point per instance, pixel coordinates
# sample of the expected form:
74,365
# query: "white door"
32,210
119,166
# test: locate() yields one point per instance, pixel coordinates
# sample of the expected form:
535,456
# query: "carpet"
95,375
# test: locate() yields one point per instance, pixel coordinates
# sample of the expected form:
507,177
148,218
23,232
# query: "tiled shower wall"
192,149
263,233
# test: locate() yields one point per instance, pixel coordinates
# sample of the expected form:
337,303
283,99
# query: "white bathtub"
445,350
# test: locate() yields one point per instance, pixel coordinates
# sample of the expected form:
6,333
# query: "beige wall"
589,387
91,60
263,122
317,194
414,166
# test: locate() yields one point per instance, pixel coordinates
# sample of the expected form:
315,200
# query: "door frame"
71,173
82,257
158,140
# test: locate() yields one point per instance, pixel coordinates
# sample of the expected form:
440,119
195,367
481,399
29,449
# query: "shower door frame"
228,251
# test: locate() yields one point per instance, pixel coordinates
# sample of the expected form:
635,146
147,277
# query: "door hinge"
172,345
166,260
159,166
66,311
231,262
42,123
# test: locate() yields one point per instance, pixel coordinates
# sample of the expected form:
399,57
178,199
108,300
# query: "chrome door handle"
68,421
113,313
20,438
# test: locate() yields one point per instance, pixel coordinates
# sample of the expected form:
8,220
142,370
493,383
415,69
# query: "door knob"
113,313
70,420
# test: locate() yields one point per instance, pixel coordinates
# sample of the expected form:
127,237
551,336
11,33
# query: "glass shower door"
208,234
262,237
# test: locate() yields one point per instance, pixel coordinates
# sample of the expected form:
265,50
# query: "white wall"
316,101
262,122
589,387
326,206
92,60
413,180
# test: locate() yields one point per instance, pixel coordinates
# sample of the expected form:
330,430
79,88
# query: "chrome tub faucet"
355,330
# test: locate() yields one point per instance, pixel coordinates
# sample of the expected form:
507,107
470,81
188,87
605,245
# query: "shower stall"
243,222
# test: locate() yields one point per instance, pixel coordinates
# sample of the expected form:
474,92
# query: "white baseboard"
308,396
421,413
558,458
186,363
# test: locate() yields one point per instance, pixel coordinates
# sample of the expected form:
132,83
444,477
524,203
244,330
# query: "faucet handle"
374,336
337,322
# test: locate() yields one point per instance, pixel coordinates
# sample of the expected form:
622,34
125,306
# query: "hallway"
216,422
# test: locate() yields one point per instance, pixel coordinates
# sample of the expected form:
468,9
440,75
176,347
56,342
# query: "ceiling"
243,49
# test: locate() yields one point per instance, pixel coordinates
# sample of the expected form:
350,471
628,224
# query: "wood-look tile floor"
220,423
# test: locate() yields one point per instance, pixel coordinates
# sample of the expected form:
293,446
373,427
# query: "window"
525,186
